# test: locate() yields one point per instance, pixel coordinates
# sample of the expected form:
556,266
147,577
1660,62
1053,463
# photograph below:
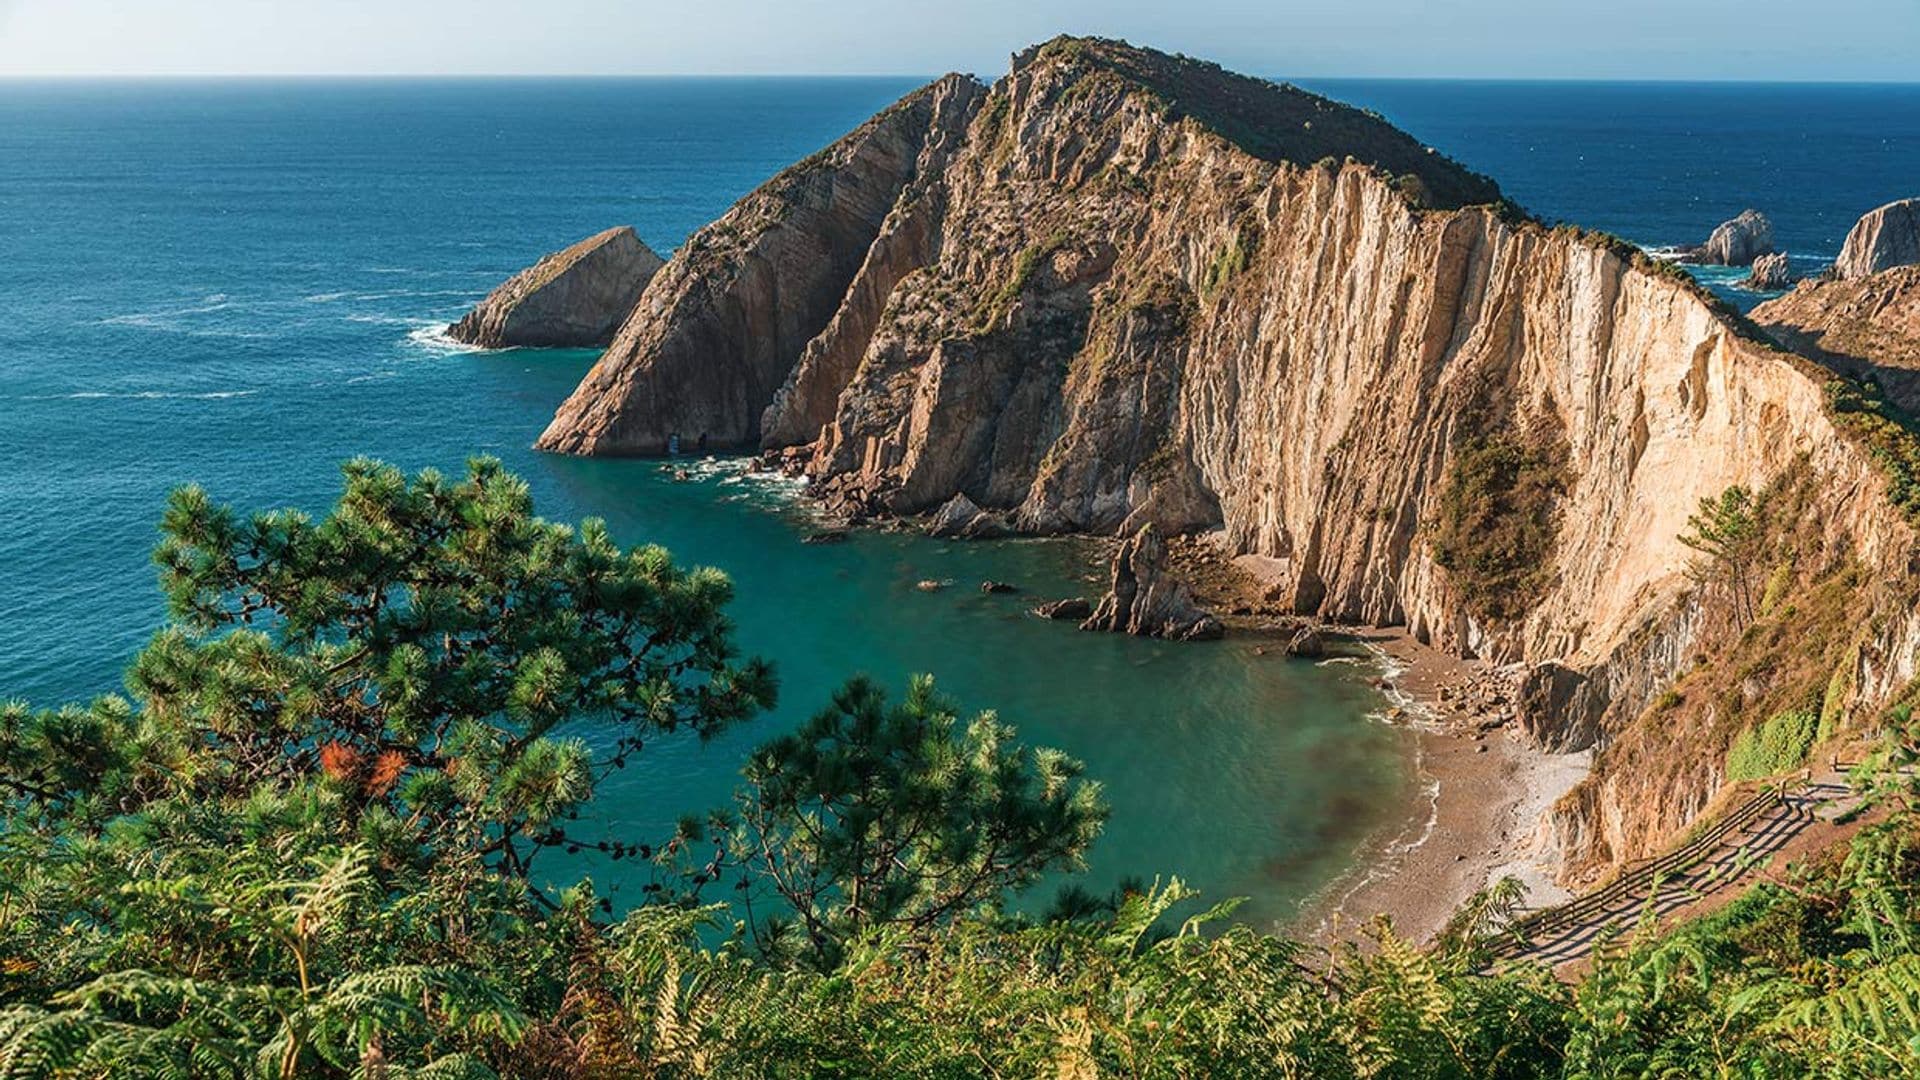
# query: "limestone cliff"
1122,289
1883,239
576,297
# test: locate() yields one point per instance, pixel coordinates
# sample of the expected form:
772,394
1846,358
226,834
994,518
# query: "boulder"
1882,240
998,588
1307,643
1145,600
961,519
576,298
1073,607
1770,273
1737,242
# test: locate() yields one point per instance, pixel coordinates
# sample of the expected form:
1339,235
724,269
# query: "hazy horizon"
1630,40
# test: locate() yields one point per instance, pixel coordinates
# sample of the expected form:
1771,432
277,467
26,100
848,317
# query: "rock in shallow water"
1146,600
573,298
1074,607
1307,644
1770,273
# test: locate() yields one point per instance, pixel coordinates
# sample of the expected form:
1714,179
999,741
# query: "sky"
1840,40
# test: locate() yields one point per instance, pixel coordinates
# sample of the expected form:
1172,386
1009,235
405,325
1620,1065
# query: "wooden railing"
1519,936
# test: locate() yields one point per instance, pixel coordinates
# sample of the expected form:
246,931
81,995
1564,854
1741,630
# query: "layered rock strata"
577,297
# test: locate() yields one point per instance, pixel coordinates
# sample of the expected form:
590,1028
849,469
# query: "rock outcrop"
1143,599
1771,273
1736,242
1122,290
1866,327
576,298
720,328
961,519
1886,238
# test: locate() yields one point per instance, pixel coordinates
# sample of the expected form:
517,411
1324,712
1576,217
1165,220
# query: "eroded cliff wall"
1135,289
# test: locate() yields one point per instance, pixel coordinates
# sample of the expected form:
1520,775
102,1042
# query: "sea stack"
575,298
1737,242
1885,238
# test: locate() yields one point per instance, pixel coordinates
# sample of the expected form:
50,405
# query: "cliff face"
1885,238
1124,289
719,328
1864,326
572,298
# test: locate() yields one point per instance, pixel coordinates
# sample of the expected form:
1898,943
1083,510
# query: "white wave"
326,297
143,395
216,302
433,338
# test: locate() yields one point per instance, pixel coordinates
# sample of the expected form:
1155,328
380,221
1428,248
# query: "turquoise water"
236,282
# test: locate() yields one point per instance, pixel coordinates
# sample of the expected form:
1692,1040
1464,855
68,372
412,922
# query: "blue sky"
1704,39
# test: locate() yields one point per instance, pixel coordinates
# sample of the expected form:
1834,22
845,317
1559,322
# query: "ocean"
241,283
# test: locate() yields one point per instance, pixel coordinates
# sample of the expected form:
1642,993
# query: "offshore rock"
1885,238
1737,242
1143,599
960,519
1770,274
576,298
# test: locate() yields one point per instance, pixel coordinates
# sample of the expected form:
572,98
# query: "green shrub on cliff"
1891,437
1777,745
1498,519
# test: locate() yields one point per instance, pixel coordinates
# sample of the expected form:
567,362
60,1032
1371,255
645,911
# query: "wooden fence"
1519,937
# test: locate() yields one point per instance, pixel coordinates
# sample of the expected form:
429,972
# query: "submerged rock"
1307,643
572,298
1145,600
1770,274
1885,238
1073,607
998,588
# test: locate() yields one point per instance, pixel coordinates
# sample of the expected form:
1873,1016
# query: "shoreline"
1477,811
1480,796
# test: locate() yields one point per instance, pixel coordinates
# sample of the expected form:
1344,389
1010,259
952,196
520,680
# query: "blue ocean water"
239,283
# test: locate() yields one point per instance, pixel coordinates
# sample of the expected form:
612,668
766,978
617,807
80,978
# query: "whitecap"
433,337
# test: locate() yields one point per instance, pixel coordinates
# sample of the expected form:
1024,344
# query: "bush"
1498,522
1776,746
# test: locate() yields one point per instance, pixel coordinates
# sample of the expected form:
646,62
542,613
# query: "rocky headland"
1119,290
1867,327
573,298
